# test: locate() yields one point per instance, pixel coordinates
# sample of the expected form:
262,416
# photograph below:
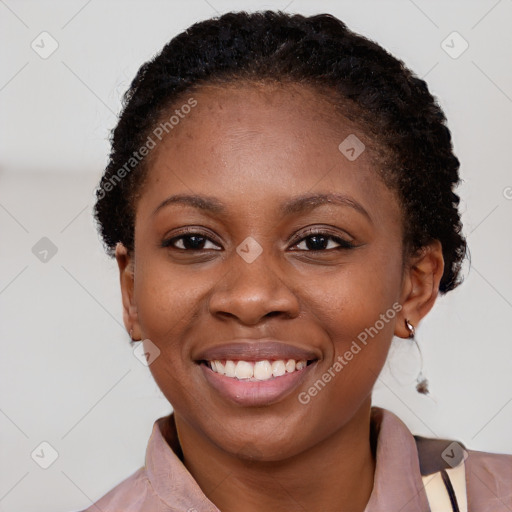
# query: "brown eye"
189,242
321,241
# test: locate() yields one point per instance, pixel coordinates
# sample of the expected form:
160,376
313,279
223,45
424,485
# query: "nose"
253,291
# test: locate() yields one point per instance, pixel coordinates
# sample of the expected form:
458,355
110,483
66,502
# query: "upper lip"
256,350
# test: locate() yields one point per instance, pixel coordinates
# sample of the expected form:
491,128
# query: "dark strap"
430,454
451,492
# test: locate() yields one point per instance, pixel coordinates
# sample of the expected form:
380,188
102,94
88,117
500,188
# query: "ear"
420,286
125,263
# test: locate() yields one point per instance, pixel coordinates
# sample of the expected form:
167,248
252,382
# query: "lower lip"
255,393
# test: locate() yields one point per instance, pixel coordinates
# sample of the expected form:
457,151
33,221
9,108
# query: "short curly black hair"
388,101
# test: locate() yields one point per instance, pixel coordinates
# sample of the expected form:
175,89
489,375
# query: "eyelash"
343,244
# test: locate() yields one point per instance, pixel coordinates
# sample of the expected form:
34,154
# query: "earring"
410,328
422,384
421,381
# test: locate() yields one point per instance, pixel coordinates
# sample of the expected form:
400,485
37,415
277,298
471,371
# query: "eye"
314,241
189,241
321,241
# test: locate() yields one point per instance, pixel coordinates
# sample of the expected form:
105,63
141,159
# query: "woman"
280,202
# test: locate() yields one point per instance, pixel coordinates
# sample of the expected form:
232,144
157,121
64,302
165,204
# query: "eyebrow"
300,204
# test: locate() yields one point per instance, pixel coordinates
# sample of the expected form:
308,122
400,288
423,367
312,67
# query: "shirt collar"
167,474
397,484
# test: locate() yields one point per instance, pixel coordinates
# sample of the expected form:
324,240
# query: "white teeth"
290,365
229,368
259,370
278,368
262,370
301,364
220,367
243,370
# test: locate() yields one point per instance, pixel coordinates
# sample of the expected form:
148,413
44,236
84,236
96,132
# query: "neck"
336,474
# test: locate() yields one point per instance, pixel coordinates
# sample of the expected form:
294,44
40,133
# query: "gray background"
68,374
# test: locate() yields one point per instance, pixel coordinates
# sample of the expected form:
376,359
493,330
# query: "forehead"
262,142
275,112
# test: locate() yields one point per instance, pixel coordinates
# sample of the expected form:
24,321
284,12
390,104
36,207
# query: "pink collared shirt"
164,483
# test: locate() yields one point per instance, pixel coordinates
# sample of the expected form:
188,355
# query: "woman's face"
231,272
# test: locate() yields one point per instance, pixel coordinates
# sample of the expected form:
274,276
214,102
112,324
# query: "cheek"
172,312
357,311
167,298
358,318
356,299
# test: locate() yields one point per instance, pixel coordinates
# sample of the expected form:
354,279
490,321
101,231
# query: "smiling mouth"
256,371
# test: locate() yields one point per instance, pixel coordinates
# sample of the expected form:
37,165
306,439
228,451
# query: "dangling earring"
410,328
422,382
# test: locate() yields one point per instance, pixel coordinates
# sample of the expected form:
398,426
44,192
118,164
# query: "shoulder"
487,468
437,454
489,481
134,494
488,476
501,462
